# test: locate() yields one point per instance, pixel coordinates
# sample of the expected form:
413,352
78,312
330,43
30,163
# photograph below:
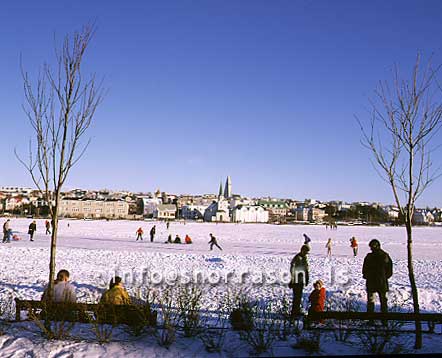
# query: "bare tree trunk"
414,291
53,244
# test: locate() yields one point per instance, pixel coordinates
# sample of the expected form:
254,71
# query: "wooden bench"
86,312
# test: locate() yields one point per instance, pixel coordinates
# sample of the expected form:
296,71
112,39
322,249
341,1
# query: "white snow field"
94,250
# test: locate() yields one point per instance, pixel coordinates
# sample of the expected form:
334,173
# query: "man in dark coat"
299,278
213,242
152,233
377,269
32,229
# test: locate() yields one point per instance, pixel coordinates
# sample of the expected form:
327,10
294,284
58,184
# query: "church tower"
220,193
228,188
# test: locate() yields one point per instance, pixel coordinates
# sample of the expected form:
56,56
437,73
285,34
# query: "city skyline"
265,94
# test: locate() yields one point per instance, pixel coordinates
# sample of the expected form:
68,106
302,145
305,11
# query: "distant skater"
177,240
213,242
328,245
139,234
167,225
169,239
354,246
152,233
32,229
48,227
188,239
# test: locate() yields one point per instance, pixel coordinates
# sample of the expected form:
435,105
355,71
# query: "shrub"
264,331
166,335
189,305
241,316
214,336
309,341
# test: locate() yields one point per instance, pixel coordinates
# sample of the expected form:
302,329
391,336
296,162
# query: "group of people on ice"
376,270
187,240
8,235
140,233
353,244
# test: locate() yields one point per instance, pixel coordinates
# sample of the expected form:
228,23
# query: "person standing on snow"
152,233
48,227
299,271
354,246
377,269
139,234
6,229
213,242
32,229
317,298
328,245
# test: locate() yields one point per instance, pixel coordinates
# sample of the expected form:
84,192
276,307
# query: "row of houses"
224,207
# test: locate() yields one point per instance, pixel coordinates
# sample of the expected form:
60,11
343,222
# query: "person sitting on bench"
116,294
63,290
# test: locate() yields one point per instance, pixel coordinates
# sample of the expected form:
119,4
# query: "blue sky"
263,91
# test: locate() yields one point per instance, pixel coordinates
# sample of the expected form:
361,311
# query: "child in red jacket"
317,298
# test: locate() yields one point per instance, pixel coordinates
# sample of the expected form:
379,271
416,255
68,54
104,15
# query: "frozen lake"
94,250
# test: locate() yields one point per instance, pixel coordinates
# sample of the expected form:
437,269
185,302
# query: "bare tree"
60,107
405,116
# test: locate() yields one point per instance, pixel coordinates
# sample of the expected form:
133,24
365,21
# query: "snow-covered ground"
94,250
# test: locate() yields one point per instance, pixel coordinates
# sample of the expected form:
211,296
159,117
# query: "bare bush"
309,341
213,337
58,328
265,329
189,305
241,314
380,339
166,335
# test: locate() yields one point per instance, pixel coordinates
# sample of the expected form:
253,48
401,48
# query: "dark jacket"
377,269
299,270
32,228
152,231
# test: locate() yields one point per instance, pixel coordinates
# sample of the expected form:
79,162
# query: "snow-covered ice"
92,250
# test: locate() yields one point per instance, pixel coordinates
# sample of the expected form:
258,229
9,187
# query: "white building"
250,214
237,200
218,211
316,214
165,212
16,190
392,212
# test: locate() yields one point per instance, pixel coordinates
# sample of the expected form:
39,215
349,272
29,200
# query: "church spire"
228,188
220,193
